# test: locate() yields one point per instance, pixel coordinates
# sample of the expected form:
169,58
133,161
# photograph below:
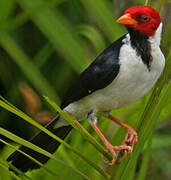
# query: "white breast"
133,81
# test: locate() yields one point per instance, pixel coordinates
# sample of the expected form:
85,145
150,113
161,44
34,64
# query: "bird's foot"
131,138
126,147
112,149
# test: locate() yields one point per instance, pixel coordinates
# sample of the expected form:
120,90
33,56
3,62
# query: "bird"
122,74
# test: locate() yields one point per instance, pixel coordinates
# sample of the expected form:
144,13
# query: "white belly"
133,81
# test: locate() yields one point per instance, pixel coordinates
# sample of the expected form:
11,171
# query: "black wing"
101,72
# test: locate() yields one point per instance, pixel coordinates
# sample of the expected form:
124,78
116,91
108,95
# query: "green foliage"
45,44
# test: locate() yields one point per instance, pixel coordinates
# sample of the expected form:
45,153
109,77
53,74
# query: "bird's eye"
145,18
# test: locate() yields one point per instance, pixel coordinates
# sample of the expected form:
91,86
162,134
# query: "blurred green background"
44,45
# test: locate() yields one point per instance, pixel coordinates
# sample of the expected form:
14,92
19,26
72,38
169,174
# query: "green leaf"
26,65
6,8
92,34
83,131
23,17
59,33
144,164
23,142
19,113
148,120
6,165
104,15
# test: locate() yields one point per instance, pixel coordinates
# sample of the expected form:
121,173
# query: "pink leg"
131,137
110,147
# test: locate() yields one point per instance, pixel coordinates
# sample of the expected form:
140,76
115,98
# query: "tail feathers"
42,140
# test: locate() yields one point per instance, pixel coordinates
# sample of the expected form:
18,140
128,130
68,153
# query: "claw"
127,146
112,149
131,138
113,160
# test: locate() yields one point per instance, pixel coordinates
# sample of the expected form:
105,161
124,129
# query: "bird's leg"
131,137
110,148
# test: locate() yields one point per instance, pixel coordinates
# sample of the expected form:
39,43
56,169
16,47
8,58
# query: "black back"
101,72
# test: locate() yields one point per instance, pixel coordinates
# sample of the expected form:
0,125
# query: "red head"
144,19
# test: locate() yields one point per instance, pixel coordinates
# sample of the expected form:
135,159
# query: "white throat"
155,39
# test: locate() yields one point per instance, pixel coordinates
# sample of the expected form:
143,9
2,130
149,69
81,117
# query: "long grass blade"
92,34
144,164
79,127
6,166
43,55
104,14
52,24
36,148
149,118
40,164
26,65
23,17
34,123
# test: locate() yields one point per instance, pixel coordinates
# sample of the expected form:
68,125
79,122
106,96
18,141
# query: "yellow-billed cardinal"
119,76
